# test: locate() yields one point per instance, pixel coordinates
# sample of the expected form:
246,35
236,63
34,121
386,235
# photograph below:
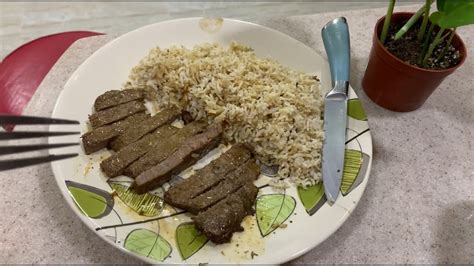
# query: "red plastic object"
22,71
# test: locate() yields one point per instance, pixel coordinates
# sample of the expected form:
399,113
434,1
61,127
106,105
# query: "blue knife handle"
336,42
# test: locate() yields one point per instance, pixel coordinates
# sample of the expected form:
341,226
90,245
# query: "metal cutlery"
9,164
335,36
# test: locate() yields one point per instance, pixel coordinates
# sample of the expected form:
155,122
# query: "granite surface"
21,22
418,206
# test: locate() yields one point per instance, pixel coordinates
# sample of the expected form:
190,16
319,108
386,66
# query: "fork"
33,120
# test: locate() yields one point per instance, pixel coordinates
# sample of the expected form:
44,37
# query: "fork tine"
26,148
32,134
18,163
33,120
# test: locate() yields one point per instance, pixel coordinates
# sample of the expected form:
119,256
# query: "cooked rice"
272,107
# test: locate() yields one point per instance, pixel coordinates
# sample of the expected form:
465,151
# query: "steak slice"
134,133
221,220
98,138
115,164
247,173
116,97
186,155
164,149
187,117
115,113
181,194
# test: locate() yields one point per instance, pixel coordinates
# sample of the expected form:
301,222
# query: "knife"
335,36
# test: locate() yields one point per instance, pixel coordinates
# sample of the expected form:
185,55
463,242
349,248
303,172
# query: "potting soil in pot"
408,48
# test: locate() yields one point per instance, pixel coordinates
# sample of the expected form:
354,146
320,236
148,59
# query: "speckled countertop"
418,206
21,22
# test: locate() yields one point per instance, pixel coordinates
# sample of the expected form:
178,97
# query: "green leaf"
435,17
312,197
352,164
93,202
462,14
440,4
189,240
144,204
451,5
355,109
147,243
272,211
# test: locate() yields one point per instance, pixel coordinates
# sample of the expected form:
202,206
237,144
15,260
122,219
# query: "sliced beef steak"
115,164
115,113
99,138
193,149
136,132
221,194
246,174
205,179
116,97
221,220
186,116
164,148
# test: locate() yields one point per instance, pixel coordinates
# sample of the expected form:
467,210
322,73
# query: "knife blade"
335,36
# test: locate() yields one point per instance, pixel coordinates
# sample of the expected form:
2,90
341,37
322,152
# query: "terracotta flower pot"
399,86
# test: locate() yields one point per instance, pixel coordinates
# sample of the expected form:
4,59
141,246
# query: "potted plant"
413,52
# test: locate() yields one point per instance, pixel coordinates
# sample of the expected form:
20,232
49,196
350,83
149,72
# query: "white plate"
84,186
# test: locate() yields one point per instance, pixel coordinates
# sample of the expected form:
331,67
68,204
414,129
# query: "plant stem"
448,43
433,45
421,33
410,23
426,43
386,23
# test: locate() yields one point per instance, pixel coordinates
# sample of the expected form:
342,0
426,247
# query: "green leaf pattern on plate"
312,197
93,202
147,243
144,204
189,240
272,211
355,109
352,163
355,167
